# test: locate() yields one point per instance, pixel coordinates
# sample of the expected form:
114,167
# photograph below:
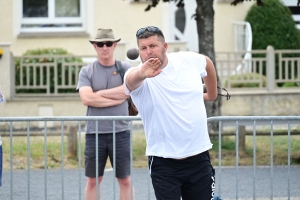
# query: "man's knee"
124,181
91,182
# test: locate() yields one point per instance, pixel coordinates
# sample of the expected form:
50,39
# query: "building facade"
69,24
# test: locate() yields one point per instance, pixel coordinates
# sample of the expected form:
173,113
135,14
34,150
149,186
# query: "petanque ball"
132,54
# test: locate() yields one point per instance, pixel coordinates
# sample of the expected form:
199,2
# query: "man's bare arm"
89,98
149,69
117,93
210,81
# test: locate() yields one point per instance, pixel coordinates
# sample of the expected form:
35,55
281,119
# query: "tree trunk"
205,27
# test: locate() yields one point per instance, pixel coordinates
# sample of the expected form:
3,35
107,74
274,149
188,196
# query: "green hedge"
47,52
272,24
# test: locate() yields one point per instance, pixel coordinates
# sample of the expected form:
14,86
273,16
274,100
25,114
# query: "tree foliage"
180,3
273,25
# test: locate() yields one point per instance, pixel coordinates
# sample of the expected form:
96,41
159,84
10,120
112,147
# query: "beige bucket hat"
105,35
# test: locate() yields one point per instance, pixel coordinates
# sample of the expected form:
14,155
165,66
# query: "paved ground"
72,190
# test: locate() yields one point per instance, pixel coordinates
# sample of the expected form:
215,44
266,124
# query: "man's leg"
122,163
90,163
167,177
90,188
125,189
201,182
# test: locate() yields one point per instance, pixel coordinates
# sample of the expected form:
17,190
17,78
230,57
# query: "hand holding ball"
132,54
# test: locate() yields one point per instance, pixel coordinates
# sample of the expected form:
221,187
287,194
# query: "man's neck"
106,62
165,62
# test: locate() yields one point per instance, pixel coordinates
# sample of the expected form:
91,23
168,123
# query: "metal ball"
132,53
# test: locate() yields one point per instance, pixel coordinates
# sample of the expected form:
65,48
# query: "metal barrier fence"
254,121
77,191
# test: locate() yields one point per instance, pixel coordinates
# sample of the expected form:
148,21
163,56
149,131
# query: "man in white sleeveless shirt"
167,90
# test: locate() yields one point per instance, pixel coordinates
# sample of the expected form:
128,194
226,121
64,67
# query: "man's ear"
166,46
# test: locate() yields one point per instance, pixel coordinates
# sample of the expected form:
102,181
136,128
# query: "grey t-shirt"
100,77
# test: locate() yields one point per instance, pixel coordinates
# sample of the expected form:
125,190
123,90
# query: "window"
180,20
52,16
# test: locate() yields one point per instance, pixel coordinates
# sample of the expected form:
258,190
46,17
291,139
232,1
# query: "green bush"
252,76
291,84
272,24
47,52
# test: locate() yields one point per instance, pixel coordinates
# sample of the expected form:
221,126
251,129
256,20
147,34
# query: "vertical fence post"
72,142
242,138
270,68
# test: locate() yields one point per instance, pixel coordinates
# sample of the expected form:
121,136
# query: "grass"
37,149
54,152
262,151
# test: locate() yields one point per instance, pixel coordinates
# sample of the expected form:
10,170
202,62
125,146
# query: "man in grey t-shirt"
101,90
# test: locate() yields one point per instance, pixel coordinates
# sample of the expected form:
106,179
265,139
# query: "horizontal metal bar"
68,118
248,120
95,118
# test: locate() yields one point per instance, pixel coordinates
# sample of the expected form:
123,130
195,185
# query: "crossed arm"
102,98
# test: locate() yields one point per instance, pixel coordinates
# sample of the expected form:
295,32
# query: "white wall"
225,14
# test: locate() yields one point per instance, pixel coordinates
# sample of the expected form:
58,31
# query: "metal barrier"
254,121
51,190
10,120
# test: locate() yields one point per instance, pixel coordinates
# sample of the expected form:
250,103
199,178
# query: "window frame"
51,19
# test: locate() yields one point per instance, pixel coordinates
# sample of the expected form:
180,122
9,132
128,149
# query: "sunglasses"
151,29
101,44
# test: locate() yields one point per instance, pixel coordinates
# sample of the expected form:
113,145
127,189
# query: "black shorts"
105,150
192,178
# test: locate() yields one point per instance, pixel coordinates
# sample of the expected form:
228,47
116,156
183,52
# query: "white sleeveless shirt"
172,108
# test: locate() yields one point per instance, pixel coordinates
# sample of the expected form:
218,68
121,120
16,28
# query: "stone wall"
262,104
